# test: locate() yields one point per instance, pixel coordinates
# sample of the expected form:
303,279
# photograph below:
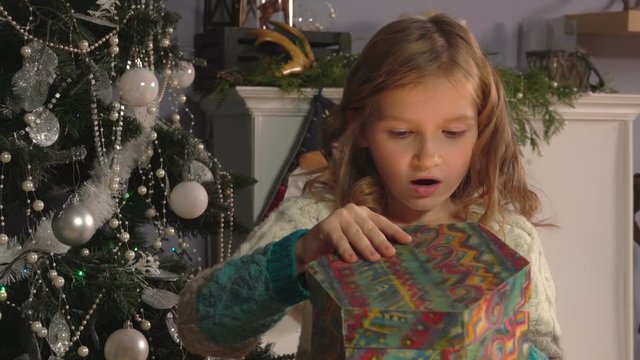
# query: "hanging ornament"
138,87
126,344
171,327
31,83
184,74
73,225
45,128
59,335
159,298
104,88
188,199
197,171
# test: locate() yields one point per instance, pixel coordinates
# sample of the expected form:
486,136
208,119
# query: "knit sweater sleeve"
225,309
544,330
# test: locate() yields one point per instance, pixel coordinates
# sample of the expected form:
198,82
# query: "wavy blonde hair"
407,52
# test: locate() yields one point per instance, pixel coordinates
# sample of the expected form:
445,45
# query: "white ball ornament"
114,40
73,225
52,274
58,281
165,42
43,332
38,205
114,223
184,74
152,109
29,118
83,351
3,296
27,185
188,199
142,190
145,325
160,173
138,87
150,213
4,239
5,157
182,98
32,258
36,326
83,45
157,244
129,255
169,231
114,50
126,344
85,252
26,51
124,236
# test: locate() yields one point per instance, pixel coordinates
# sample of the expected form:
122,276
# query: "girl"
421,136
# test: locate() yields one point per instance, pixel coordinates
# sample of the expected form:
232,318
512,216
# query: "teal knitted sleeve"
535,354
250,294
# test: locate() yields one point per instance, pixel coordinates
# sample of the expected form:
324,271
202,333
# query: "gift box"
456,292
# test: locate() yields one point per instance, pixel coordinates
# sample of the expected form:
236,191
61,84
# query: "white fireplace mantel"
584,179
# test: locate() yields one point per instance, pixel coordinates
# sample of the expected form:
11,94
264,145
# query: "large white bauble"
188,199
73,225
126,344
138,87
184,74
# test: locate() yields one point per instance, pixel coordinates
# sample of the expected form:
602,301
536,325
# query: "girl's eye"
452,133
399,133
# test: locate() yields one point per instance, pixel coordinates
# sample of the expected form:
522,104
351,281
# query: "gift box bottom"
506,342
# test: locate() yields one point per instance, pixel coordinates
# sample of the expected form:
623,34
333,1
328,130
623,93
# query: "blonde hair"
407,52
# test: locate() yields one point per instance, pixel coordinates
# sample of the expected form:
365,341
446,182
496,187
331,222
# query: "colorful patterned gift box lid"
455,292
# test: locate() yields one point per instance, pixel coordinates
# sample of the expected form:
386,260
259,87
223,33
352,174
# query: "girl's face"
421,138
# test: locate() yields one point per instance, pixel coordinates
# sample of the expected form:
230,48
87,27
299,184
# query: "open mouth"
425,182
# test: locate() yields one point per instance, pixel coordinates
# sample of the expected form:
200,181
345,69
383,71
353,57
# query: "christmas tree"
99,194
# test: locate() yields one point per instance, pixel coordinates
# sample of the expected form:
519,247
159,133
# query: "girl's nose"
426,160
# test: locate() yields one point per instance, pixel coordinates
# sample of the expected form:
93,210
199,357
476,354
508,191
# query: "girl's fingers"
342,246
376,238
359,241
390,229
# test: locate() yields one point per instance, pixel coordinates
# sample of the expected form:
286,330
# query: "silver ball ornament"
5,157
3,296
142,190
52,273
114,40
138,87
129,255
160,173
165,42
150,213
43,332
169,231
200,147
73,225
83,45
84,252
32,258
38,205
153,135
182,98
114,50
4,239
114,223
26,51
175,117
27,185
83,351
126,344
36,326
152,109
157,244
124,236
188,199
58,281
29,118
184,74
113,116
145,325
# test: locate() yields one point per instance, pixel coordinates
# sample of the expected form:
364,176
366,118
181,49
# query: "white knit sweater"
515,230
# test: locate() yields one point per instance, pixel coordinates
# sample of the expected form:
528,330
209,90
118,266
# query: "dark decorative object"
234,48
573,68
626,5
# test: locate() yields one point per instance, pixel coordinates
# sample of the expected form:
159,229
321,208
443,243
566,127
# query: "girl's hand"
352,232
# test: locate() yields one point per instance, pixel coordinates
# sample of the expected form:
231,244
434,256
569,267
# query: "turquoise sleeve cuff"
535,354
281,268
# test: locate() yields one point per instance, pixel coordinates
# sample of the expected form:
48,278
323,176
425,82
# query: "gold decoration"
299,60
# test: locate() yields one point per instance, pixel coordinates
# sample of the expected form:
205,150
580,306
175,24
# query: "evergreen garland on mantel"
531,95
